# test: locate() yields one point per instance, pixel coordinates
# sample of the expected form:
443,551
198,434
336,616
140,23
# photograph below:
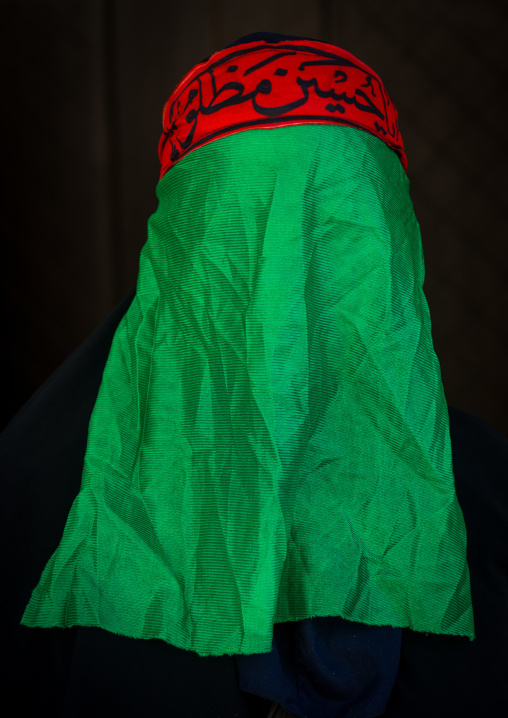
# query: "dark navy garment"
271,37
326,667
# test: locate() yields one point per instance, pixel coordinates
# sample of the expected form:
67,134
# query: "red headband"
264,85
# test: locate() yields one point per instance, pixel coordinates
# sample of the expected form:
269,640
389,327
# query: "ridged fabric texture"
270,441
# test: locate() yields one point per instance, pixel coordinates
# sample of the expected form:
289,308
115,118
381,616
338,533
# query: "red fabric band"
265,85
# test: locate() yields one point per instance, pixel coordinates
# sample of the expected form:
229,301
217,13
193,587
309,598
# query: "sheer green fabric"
270,441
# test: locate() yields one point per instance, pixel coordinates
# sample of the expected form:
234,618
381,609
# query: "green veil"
270,441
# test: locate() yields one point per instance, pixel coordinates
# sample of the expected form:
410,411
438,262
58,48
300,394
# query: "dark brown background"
83,87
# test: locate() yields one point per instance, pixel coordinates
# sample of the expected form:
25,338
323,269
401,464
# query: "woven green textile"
270,441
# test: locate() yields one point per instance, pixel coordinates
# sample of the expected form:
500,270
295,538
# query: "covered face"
270,441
